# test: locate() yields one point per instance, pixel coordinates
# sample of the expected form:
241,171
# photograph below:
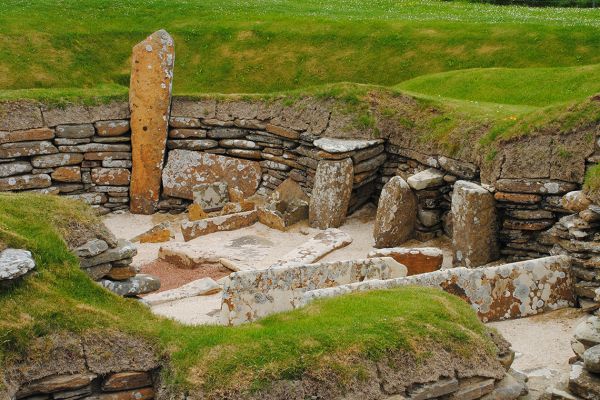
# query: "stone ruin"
524,238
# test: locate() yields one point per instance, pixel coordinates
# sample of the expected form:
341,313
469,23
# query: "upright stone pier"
474,225
396,214
149,100
331,193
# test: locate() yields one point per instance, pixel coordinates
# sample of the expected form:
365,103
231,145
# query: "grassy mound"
327,334
530,86
273,45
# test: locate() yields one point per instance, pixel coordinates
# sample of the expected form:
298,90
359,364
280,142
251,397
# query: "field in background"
274,45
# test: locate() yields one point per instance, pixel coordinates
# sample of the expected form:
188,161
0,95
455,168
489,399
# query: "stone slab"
194,229
15,263
331,193
315,248
417,260
199,287
332,145
186,169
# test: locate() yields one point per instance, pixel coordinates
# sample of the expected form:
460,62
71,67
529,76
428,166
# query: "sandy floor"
542,343
543,346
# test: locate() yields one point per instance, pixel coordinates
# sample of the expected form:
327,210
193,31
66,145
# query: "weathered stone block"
26,135
149,100
26,149
134,286
15,263
23,182
186,169
14,168
474,225
75,131
126,381
425,179
194,229
331,193
111,176
112,128
67,174
332,145
396,214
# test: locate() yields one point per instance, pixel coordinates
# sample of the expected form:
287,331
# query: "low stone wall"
496,293
95,365
249,295
78,151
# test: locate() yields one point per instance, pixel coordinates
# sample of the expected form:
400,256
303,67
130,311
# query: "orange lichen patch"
157,236
196,213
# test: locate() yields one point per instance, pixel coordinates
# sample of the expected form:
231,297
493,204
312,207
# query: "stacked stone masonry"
84,152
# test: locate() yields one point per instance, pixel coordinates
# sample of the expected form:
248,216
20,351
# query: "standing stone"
331,193
474,225
149,100
396,214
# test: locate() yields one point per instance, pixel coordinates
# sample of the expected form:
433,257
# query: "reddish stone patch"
172,277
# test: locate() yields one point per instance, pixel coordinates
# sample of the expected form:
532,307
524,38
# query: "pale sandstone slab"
417,260
112,128
194,229
199,287
331,145
316,248
186,169
396,214
149,99
14,168
331,193
26,149
56,160
425,179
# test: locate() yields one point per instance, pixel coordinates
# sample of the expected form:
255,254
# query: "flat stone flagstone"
194,229
331,193
315,248
149,99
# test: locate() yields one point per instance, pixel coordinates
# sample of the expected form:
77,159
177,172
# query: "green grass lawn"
530,86
273,45
60,297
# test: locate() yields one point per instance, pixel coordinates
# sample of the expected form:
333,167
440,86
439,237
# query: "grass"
325,335
527,86
273,45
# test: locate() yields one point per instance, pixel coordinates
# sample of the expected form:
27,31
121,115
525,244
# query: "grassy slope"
61,297
267,45
530,86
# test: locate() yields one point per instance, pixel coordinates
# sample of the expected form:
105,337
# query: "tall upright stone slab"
396,214
149,100
331,193
474,225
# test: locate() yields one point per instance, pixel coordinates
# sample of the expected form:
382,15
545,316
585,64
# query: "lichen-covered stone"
584,384
331,193
249,295
123,250
474,225
75,131
26,149
111,176
57,160
186,169
23,182
194,229
199,287
149,98
211,196
67,174
396,214
316,248
14,168
496,293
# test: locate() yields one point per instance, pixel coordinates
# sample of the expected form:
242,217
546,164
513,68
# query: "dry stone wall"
84,152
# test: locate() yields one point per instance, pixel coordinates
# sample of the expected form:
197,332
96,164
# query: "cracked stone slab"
316,248
139,284
15,263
